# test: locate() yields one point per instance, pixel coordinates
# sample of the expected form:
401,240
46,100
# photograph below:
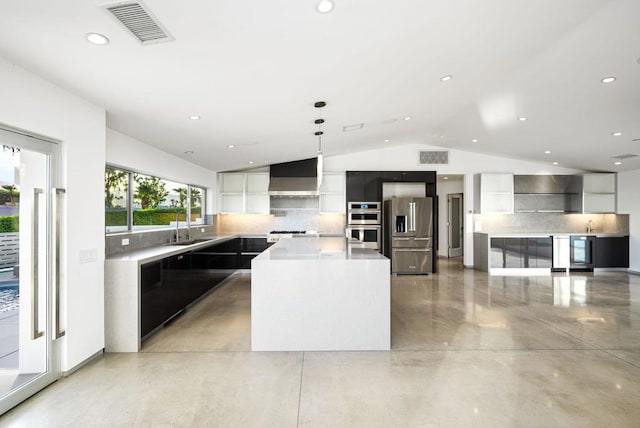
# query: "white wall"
629,203
445,187
405,158
37,106
129,153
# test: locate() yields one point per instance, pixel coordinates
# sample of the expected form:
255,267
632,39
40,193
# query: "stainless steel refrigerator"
409,224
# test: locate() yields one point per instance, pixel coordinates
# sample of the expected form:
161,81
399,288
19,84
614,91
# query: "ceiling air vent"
627,156
140,22
431,157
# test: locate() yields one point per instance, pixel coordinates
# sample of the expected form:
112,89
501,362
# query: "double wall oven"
364,224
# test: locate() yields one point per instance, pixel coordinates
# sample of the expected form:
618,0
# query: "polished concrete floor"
468,350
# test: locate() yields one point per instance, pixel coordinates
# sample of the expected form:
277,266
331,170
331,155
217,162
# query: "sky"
8,162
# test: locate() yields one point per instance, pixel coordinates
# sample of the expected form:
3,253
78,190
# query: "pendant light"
319,105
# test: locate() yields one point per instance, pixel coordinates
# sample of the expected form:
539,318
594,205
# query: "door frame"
457,251
51,148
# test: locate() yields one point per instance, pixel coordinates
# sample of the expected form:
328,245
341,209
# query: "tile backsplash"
293,220
259,224
151,238
551,222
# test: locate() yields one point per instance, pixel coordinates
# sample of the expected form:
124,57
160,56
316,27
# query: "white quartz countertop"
323,248
156,253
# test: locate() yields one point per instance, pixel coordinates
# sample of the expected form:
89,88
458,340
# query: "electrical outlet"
202,230
125,241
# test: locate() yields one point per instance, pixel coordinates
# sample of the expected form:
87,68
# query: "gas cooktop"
276,235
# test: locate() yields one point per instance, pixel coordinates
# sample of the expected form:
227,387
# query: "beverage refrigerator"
409,234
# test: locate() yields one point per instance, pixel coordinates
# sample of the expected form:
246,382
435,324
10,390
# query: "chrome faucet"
177,227
590,226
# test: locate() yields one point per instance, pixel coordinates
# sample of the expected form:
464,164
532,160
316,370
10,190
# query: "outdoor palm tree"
11,188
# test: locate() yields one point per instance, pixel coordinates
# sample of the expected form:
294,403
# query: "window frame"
130,227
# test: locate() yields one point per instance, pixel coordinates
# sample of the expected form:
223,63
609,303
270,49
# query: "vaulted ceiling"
252,71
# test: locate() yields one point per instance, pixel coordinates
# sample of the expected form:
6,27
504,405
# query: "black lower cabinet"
169,285
521,252
612,252
218,256
153,310
249,248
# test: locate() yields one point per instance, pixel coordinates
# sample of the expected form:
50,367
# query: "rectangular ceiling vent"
354,127
140,22
627,156
433,157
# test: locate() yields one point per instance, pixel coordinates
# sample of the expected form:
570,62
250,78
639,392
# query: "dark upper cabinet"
355,186
366,186
409,176
372,186
612,251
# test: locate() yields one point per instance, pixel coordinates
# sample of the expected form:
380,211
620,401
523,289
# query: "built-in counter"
318,294
532,253
144,288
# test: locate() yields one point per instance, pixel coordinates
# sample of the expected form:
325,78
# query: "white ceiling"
253,70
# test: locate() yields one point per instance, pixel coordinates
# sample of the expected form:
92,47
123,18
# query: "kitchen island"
318,294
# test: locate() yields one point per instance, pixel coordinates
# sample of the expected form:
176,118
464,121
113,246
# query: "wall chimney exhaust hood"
298,178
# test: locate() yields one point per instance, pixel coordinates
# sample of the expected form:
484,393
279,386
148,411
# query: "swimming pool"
9,296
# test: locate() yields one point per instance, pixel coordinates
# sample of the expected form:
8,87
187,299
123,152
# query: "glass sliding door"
29,257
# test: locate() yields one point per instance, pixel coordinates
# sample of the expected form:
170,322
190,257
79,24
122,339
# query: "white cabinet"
599,193
332,193
243,193
493,193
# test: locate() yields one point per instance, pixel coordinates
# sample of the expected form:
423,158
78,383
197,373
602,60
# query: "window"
116,195
197,204
136,201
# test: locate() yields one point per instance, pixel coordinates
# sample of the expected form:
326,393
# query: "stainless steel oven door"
364,213
364,217
364,236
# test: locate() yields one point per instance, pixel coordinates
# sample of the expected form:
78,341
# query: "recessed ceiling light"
194,117
522,118
547,152
188,152
617,163
250,162
325,6
407,118
446,178
555,163
608,79
97,39
475,140
231,146
387,140
616,134
446,78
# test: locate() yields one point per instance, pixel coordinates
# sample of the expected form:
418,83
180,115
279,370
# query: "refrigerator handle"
413,216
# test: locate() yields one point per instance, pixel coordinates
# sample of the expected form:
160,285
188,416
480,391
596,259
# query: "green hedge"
9,224
149,217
